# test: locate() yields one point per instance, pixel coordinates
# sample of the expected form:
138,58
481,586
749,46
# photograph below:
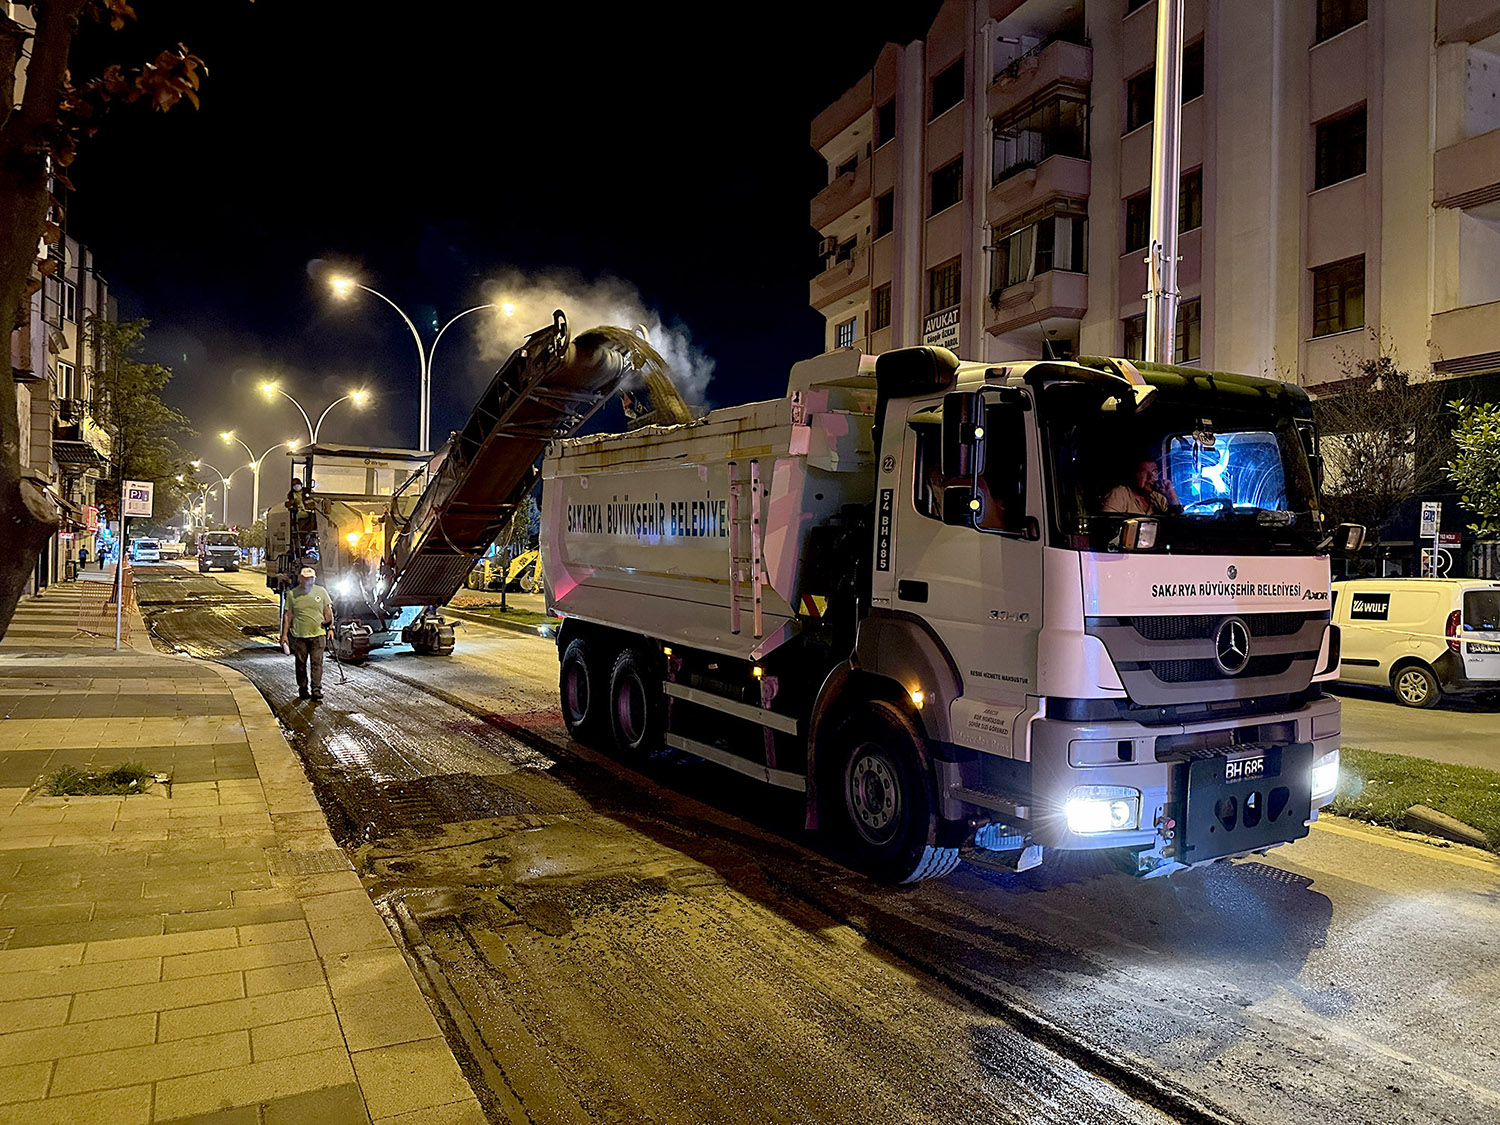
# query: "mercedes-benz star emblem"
1233,572
1232,646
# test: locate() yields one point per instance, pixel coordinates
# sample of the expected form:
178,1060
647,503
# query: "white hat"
309,572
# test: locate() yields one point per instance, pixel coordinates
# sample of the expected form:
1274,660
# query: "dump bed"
662,531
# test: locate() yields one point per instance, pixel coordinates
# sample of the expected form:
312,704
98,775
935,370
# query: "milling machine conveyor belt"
546,390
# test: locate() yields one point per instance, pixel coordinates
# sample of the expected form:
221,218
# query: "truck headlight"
1094,809
1325,779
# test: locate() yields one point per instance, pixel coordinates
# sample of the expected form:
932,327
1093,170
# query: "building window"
70,301
1190,201
1335,16
948,88
1135,337
1132,5
845,250
885,123
1140,99
1339,297
1192,71
1058,241
943,286
1341,148
885,214
1055,126
880,308
1187,345
1137,222
947,185
847,167
66,388
843,334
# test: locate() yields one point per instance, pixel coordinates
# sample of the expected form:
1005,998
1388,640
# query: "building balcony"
1467,21
1466,340
840,195
1056,177
1054,295
1467,174
840,280
857,100
1058,62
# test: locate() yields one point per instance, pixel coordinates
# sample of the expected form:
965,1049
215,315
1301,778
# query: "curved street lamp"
200,463
343,286
255,463
270,387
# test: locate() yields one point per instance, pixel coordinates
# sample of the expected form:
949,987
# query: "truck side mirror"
960,505
963,433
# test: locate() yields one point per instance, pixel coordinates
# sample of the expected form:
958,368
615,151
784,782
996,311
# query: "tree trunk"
28,517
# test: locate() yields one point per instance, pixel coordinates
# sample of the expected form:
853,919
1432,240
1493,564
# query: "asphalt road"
610,946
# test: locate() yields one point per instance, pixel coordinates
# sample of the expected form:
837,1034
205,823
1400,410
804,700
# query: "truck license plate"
1242,769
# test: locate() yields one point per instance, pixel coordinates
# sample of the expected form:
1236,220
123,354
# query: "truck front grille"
1165,660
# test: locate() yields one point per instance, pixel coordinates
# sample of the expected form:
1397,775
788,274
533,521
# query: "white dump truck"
1002,610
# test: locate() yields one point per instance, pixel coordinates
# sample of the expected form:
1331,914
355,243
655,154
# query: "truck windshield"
1219,476
222,540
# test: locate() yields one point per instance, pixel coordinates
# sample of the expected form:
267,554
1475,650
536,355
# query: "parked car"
1421,637
145,550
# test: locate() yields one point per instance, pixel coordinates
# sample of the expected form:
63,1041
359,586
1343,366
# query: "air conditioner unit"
828,246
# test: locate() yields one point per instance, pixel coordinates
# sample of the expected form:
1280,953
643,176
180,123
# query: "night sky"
435,149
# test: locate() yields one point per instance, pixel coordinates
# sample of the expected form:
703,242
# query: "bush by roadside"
1380,788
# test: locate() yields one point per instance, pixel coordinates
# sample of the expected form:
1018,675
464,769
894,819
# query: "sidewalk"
200,951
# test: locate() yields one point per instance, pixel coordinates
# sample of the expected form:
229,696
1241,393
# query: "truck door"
977,584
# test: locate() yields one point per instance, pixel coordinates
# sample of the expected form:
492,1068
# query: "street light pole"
342,287
359,400
200,463
272,388
255,463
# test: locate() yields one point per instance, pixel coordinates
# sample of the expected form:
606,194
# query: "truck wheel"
1416,686
886,798
636,711
581,693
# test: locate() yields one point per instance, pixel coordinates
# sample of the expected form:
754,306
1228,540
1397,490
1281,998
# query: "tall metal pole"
1166,176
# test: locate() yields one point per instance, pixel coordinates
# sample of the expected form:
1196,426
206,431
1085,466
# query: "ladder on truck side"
546,390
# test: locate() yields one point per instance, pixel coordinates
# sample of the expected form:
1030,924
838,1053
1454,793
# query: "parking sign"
1431,516
137,498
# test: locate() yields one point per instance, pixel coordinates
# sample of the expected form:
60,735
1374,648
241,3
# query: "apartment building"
63,448
989,184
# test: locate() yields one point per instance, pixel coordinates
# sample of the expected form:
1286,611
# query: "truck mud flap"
1256,797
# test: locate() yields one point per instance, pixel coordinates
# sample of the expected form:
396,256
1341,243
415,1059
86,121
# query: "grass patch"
515,616
122,780
1381,787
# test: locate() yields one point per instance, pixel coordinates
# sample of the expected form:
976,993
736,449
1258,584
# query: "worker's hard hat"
309,572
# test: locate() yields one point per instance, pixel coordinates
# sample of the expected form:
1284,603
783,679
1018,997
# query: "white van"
1419,636
145,550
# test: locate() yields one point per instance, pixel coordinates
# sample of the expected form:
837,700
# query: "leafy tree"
254,535
1475,467
39,137
1383,442
143,429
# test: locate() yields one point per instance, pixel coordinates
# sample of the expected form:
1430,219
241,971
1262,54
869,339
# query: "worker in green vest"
305,620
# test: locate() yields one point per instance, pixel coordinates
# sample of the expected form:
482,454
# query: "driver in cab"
1146,494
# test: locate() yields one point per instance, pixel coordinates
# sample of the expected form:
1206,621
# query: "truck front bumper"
1179,794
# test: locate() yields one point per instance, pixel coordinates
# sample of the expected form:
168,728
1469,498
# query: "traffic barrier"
97,611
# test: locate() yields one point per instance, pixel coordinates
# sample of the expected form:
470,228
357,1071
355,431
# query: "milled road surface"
612,947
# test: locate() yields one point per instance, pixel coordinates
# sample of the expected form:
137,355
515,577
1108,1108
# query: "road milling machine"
393,533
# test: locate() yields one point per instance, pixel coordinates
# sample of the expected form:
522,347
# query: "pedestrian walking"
83,557
305,620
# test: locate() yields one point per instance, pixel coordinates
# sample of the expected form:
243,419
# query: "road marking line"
1427,850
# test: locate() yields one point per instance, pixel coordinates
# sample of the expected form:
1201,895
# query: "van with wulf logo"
1000,611
1420,637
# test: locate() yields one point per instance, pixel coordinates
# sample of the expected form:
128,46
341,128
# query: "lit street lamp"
271,388
255,463
343,286
200,463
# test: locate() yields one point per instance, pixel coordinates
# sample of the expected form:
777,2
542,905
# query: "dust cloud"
588,304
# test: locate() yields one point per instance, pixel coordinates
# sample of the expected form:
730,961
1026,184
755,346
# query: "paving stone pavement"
201,951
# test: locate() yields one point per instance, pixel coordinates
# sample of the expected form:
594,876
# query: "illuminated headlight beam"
1092,810
1325,779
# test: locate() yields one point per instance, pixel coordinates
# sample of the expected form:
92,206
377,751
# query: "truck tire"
582,694
637,706
885,798
1416,686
